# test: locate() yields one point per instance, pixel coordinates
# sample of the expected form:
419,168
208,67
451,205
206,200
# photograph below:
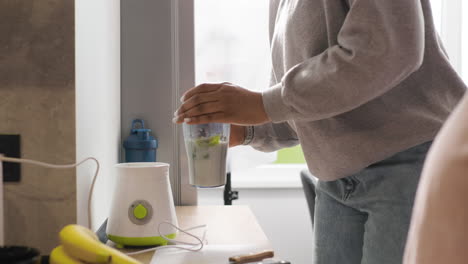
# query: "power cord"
66,166
194,246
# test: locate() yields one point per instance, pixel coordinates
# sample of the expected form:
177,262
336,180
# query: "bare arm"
439,228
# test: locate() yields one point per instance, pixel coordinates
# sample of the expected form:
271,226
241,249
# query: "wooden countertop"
227,225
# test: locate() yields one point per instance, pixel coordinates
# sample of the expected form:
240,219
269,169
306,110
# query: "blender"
207,146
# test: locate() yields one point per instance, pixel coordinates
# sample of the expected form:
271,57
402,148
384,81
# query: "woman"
363,86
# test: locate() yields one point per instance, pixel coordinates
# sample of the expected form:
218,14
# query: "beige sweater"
439,228
355,81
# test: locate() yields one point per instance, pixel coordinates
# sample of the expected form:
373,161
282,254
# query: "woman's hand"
237,136
221,103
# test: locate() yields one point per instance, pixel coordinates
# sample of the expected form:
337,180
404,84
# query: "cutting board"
210,254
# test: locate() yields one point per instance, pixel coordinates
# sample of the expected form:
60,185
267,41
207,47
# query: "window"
465,42
237,50
229,48
437,13
453,28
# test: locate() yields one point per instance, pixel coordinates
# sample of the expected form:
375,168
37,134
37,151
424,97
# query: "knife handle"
241,259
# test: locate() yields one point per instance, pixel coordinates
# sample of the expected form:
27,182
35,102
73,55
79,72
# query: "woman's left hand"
221,103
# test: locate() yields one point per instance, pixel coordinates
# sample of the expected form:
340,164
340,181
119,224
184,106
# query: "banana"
81,243
58,256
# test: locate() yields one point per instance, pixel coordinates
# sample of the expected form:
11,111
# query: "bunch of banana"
80,245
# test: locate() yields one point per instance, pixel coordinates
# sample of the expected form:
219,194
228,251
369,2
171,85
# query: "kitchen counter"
227,225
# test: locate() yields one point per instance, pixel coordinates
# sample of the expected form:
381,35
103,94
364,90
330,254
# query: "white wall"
97,53
282,213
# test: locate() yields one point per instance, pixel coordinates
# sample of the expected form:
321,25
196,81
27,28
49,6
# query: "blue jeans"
364,218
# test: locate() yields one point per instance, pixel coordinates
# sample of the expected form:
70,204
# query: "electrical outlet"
10,146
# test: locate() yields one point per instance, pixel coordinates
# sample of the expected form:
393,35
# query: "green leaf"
209,142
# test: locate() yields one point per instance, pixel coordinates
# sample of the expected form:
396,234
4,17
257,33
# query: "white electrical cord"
66,166
185,231
194,246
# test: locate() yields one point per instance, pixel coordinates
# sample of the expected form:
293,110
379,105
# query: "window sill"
273,176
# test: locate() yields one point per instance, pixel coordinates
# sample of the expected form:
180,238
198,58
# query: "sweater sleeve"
379,45
270,137
440,215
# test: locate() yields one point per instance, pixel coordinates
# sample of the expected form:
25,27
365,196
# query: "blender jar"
207,146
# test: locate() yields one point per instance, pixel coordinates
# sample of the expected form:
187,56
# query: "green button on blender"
140,212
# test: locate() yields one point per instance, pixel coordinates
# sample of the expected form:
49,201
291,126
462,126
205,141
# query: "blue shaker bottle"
140,146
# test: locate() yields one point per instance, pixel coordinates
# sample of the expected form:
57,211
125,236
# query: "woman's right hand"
237,135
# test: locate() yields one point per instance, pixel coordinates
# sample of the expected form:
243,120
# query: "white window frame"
270,176
451,31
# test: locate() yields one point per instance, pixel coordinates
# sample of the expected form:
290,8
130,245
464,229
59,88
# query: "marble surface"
37,101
